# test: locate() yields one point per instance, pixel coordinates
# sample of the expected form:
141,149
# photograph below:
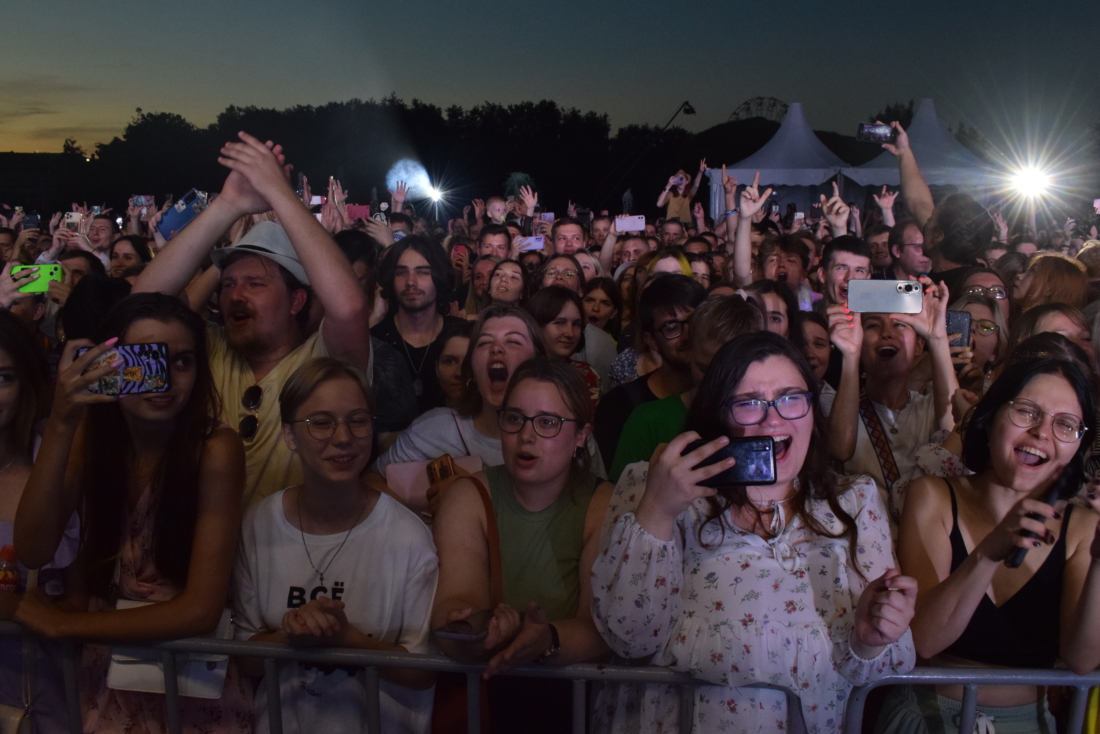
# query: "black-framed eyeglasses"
250,424
546,425
323,427
1066,427
996,292
753,412
672,329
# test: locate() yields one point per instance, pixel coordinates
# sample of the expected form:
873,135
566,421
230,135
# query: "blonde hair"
307,378
1056,279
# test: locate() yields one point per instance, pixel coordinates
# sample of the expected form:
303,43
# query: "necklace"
321,571
418,384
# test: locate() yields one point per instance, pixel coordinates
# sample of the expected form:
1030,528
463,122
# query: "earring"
578,456
471,384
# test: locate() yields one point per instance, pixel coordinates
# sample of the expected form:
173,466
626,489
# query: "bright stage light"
1031,182
415,177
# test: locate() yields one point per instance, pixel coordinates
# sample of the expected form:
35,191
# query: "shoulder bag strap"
461,435
878,439
492,537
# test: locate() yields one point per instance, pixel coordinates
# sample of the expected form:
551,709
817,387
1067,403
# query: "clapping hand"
257,174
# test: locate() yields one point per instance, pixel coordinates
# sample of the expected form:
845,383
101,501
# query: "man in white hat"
265,287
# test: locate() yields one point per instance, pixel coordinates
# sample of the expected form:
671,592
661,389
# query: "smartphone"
547,216
358,211
144,369
678,180
458,251
143,200
958,322
18,210
799,218
755,456
301,182
41,284
1096,205
180,214
171,199
775,208
526,244
885,296
317,200
31,221
72,220
630,224
472,629
97,210
875,132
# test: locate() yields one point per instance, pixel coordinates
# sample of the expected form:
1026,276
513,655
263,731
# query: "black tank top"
1022,632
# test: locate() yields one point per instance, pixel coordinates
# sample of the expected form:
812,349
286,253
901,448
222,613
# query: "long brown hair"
30,370
816,481
109,454
470,402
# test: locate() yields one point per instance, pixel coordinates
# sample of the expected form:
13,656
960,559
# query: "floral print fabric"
736,610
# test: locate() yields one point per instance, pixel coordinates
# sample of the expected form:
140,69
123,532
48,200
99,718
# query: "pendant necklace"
321,571
418,384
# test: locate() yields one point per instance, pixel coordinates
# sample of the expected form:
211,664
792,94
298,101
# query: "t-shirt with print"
270,464
386,576
915,424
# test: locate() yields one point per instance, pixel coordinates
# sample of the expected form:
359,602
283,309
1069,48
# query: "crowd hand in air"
1001,225
729,186
306,195
153,222
55,221
380,231
9,286
571,210
836,211
899,146
258,175
21,242
12,221
479,210
752,201
885,200
71,396
530,199
398,194
845,330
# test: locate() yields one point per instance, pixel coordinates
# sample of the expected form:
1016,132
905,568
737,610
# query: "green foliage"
515,181
899,112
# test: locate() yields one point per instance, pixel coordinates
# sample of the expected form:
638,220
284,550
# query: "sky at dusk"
1009,68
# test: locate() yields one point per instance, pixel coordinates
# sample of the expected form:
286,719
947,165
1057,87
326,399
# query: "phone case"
526,244
755,456
885,296
958,322
41,284
72,221
630,224
144,369
180,214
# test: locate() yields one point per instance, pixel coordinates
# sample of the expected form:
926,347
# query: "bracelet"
555,646
731,211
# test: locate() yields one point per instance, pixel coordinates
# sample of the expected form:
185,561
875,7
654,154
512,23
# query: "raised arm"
174,266
846,333
931,325
752,201
917,195
346,309
52,493
836,212
699,178
885,204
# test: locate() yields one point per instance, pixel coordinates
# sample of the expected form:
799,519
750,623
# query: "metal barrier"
272,654
971,679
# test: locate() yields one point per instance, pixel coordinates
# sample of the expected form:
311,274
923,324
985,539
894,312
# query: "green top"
649,425
540,552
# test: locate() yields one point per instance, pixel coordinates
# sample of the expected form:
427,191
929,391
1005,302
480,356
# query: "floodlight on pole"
1030,182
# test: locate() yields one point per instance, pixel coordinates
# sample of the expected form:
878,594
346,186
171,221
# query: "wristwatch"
555,646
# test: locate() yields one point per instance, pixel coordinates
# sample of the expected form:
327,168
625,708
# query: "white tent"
943,160
793,157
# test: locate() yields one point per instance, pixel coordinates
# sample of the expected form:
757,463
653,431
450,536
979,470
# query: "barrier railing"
371,661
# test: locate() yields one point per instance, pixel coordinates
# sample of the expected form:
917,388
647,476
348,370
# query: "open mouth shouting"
1030,456
498,375
782,446
887,351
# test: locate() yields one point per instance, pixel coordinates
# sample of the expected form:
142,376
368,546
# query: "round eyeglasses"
323,427
996,292
1066,427
546,425
753,412
672,329
986,326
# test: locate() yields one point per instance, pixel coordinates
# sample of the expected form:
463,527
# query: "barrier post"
473,703
1078,705
171,693
274,702
374,715
72,688
580,707
687,708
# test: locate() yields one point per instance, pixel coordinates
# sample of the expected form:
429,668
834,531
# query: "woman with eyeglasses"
563,270
989,282
988,342
547,506
791,583
956,533
157,481
332,563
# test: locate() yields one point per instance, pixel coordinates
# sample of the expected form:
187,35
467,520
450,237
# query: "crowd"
509,438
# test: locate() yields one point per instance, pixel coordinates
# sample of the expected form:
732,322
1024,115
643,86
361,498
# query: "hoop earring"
471,384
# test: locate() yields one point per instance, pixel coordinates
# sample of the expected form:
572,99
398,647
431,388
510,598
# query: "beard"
245,338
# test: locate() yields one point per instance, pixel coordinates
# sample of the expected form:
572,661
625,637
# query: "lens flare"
1031,182
435,194
415,177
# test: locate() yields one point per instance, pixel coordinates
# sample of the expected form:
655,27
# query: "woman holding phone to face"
792,583
548,506
158,483
333,563
1025,434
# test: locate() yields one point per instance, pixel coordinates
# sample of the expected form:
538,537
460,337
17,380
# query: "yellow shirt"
271,466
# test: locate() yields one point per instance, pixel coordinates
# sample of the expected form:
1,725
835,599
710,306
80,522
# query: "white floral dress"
737,610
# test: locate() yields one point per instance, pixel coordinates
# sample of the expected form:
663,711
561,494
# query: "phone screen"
755,457
873,132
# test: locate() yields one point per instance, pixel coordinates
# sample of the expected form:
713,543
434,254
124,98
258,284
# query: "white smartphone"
526,244
630,224
885,296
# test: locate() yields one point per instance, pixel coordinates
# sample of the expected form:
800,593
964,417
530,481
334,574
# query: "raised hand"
479,210
845,330
381,233
307,195
71,396
901,145
571,210
752,201
9,286
530,199
729,186
398,195
702,166
885,200
257,174
836,211
931,322
884,610
55,221
699,214
673,484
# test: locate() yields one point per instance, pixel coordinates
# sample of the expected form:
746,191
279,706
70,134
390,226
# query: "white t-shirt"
386,575
443,431
915,424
